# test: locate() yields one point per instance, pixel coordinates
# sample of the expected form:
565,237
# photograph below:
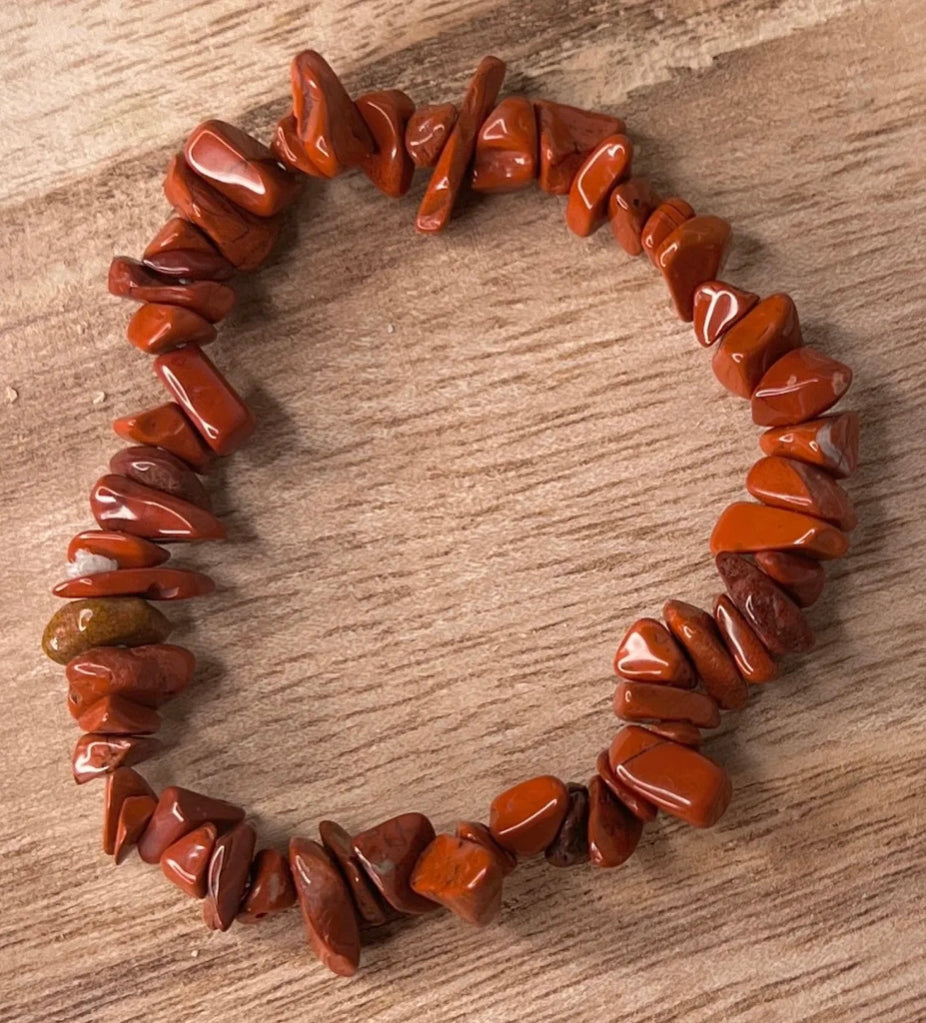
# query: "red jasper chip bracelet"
677,675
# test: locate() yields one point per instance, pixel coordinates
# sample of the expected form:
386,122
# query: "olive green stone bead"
103,621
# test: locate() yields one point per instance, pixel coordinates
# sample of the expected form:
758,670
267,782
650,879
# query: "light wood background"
480,457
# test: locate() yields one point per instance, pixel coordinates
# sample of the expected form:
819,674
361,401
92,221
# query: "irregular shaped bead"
287,147
802,578
102,621
388,853
773,615
692,254
180,249
116,715
367,899
801,385
746,528
635,803
96,755
130,279
648,653
450,169
149,675
669,215
788,483
227,876
178,812
716,307
327,910
120,503
160,470
386,114
213,405
677,731
525,818
754,662
755,342
185,862
697,631
676,778
427,130
473,831
243,239
566,136
830,442
241,168
613,831
134,815
506,148
629,207
126,550
333,134
463,876
156,327
644,701
120,784
166,427
606,165
270,888
570,846
150,583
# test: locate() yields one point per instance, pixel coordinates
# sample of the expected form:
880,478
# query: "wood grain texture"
480,456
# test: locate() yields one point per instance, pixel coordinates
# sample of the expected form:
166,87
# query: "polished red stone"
566,136
716,307
178,812
120,503
634,802
753,661
102,621
120,784
669,215
427,130
648,653
473,831
241,168
676,778
180,249
746,528
270,888
130,279
453,162
134,815
388,853
463,876
150,583
506,148
692,254
156,327
126,550
185,862
96,755
117,715
227,876
604,167
646,701
802,578
613,831
801,385
697,632
386,114
525,818
160,470
370,905
677,731
830,442
327,910
168,427
150,675
333,134
788,483
755,342
570,846
629,207
287,147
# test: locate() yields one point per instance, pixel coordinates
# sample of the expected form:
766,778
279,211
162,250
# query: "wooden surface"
480,457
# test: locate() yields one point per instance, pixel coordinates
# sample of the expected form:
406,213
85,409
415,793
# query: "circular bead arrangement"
229,192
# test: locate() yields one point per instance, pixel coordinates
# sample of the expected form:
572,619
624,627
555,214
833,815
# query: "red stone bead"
287,147
227,876
96,755
185,862
130,279
116,715
635,803
120,784
178,812
150,583
755,342
150,675
648,653
386,114
801,385
270,889
787,483
370,905
215,408
666,218
506,148
830,442
126,550
166,427
463,876
473,831
746,528
644,701
157,328
613,831
453,162
692,254
754,662
525,818
180,249
160,470
388,853
570,847
606,165
333,134
629,207
133,817
120,503
677,731
697,632
803,578
717,306
427,130
566,136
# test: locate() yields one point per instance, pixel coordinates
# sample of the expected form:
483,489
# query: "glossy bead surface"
606,165
287,147
644,701
613,831
120,784
525,818
570,846
227,876
648,653
427,130
102,621
211,403
463,876
634,802
830,442
669,215
327,909
676,778
788,483
506,148
754,662
120,503
697,632
126,550
160,470
566,136
801,385
370,905
746,528
150,675
156,327
134,815
629,207
755,342
386,114
178,812
454,159
96,755
180,249
185,862
678,731
270,888
150,583
692,254
168,427
388,853
130,279
474,831
716,307
116,715
802,578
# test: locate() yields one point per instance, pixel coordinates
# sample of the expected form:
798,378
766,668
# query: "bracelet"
229,193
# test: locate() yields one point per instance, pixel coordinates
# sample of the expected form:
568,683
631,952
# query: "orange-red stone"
463,876
287,147
178,812
130,279
566,136
120,784
270,889
787,483
604,167
830,442
754,662
646,701
388,853
160,470
227,876
116,715
692,254
150,675
370,904
150,583
802,577
185,862
126,550
506,148
697,632
134,815
746,528
717,307
96,755
156,327
427,130
677,731
120,503
525,818
666,218
168,427
648,653
473,831
630,206
613,831
180,249
801,385
386,114
634,802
